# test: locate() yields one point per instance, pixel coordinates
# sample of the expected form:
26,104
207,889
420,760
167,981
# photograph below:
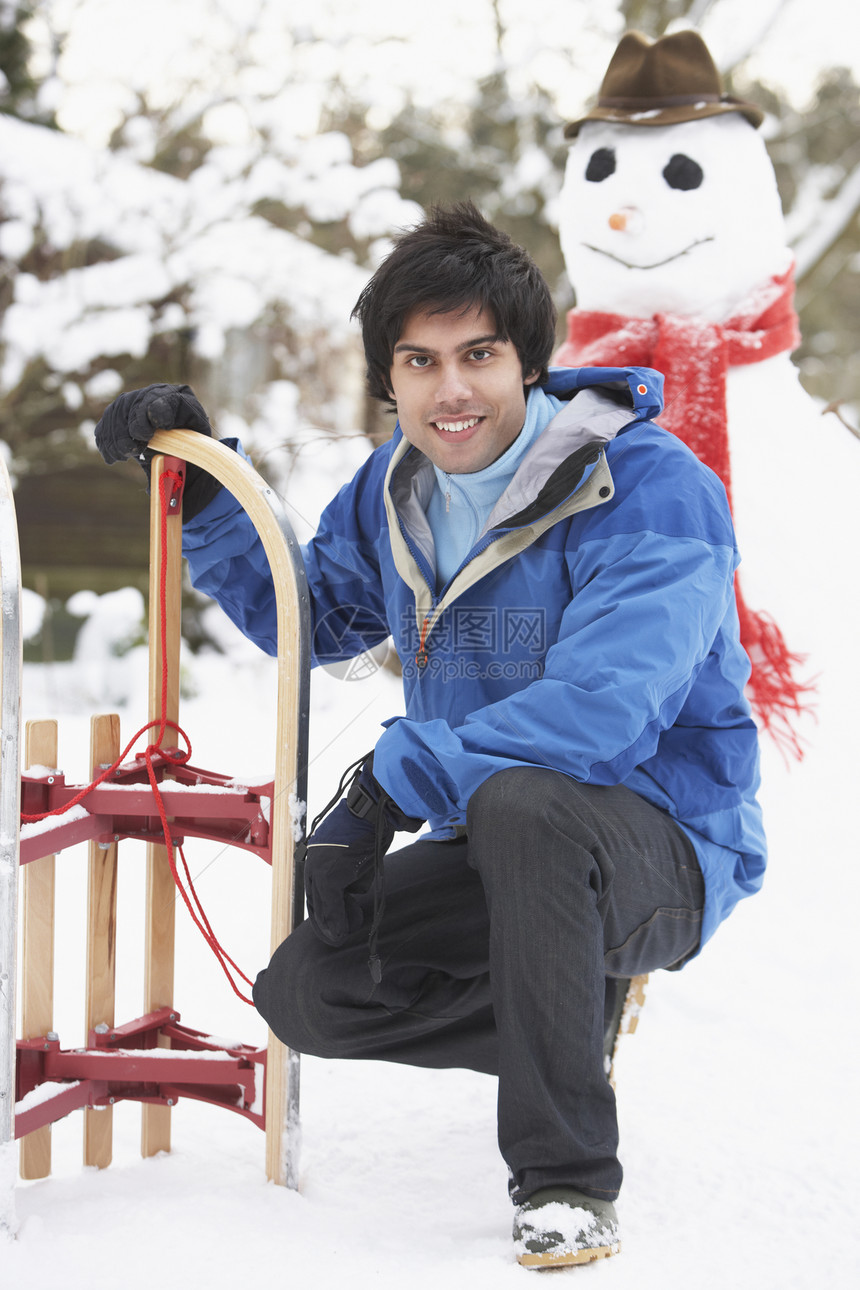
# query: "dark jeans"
495,952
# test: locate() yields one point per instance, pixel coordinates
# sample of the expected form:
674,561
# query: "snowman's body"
685,220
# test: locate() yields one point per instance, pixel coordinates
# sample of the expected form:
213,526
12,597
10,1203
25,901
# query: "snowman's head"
681,218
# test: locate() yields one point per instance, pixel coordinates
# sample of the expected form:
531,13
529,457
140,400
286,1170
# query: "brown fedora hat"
662,82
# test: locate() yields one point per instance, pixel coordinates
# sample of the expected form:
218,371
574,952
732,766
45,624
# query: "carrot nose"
618,221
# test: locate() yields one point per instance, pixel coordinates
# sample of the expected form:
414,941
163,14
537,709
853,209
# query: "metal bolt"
173,501
111,1100
170,1101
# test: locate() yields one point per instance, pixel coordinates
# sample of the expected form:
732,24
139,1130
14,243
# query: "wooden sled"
97,1076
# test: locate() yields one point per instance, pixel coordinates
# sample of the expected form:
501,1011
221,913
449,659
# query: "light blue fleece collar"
460,505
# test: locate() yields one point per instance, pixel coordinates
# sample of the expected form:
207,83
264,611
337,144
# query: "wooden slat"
37,952
101,941
160,891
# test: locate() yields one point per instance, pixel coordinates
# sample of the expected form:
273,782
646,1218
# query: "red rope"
175,757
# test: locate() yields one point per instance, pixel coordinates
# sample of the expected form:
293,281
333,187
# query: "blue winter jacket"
592,628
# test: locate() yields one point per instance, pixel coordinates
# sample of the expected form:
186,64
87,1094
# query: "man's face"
458,389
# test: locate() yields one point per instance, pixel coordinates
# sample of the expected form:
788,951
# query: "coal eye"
601,165
683,172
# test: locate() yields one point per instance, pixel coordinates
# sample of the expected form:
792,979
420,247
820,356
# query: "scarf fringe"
776,695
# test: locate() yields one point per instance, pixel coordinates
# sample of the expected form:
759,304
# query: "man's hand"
128,424
339,865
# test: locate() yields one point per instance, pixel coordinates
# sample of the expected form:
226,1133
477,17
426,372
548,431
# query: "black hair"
453,262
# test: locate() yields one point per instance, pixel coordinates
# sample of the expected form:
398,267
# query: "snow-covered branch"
820,223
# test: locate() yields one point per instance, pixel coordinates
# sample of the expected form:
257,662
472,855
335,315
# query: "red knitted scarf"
694,356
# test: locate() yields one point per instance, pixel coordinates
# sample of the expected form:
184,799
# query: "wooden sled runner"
39,1081
10,733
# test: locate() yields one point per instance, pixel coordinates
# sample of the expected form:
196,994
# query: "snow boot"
558,1226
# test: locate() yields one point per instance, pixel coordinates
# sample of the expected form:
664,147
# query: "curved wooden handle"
267,514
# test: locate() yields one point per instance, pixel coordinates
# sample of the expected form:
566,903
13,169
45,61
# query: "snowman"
673,238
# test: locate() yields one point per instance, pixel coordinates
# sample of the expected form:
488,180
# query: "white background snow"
737,1095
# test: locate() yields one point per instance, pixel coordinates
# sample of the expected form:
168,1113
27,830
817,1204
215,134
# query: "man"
557,574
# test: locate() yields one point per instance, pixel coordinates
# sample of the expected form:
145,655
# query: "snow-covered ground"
737,1105
736,1095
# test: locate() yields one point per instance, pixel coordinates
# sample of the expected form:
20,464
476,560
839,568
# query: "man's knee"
288,996
509,796
531,817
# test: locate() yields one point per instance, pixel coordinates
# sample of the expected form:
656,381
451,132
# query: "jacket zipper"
423,647
421,656
487,540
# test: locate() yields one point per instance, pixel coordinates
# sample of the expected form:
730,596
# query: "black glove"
343,860
128,424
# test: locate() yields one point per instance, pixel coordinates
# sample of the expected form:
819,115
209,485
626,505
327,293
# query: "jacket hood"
638,388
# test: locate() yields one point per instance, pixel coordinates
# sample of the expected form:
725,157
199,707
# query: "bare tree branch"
748,37
834,408
697,13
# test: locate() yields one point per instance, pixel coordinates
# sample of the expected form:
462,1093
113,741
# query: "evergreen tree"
18,88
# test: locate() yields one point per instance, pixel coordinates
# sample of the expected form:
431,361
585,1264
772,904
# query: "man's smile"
455,425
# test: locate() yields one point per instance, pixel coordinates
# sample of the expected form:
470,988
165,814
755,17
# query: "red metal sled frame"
237,815
129,1063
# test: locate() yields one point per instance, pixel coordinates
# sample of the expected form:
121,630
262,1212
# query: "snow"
298,812
44,1093
177,1054
37,827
